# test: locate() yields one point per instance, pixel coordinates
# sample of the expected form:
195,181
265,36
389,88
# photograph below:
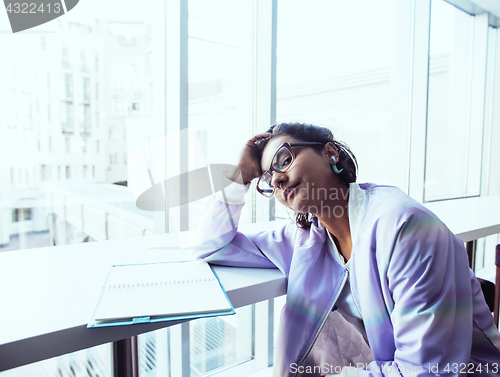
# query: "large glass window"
491,152
220,105
338,65
46,94
449,128
221,80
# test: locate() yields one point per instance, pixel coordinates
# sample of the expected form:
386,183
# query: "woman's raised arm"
218,237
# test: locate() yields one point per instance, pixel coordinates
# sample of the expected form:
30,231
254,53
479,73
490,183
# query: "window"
97,146
67,145
220,78
67,118
491,185
450,134
84,119
85,89
349,89
113,134
85,106
21,214
84,146
43,43
83,62
68,172
67,86
67,121
65,58
113,158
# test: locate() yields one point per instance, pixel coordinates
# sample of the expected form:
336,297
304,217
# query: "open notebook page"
163,289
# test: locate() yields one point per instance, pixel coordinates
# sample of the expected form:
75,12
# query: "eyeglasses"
282,161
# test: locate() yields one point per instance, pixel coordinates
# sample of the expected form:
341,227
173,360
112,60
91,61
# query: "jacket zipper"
323,323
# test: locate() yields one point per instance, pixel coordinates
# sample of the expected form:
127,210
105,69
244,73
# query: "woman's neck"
337,223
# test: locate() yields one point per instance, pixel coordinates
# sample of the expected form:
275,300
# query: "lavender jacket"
422,307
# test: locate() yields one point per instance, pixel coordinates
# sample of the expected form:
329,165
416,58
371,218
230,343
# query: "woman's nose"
279,179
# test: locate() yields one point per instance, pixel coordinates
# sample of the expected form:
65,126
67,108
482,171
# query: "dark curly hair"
309,132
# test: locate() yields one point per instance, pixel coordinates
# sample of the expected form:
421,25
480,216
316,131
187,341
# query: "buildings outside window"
67,121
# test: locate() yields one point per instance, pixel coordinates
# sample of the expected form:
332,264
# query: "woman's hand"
249,162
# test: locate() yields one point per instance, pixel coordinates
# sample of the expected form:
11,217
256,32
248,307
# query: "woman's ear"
331,151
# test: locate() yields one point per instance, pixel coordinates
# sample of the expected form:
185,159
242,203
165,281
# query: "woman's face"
305,186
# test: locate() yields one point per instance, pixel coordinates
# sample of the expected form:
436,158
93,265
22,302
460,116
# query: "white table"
470,219
47,295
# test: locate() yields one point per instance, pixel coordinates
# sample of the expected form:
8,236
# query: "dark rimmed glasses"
282,161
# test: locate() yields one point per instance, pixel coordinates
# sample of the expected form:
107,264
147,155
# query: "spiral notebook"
143,293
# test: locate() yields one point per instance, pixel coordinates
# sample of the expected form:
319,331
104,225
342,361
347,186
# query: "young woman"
374,279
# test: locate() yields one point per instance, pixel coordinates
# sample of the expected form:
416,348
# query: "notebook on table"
143,293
